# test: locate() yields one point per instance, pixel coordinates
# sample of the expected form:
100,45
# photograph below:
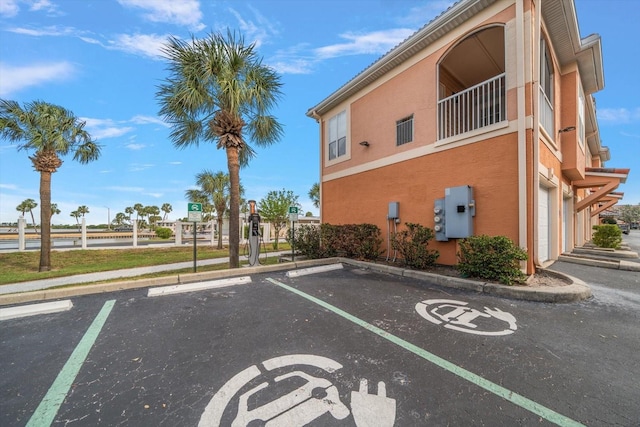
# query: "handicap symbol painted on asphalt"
457,316
295,398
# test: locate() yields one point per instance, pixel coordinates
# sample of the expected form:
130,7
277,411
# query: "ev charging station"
254,234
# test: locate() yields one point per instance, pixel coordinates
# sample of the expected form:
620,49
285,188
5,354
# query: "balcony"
476,107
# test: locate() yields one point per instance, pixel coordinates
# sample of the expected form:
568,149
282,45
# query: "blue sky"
101,59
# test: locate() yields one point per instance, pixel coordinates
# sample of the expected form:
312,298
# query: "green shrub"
607,236
359,241
412,245
164,233
491,258
307,241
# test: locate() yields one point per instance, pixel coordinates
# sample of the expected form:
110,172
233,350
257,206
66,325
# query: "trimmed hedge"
491,258
607,236
359,241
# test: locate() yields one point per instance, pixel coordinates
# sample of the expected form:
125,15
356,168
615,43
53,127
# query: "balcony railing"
546,114
476,107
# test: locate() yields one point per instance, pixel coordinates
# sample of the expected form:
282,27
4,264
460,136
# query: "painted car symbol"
299,407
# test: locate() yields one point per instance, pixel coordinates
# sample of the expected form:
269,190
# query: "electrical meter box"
394,208
439,225
460,209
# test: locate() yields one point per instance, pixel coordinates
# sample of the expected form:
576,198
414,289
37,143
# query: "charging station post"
293,217
195,215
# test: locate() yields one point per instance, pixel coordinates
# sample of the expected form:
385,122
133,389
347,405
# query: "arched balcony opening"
472,89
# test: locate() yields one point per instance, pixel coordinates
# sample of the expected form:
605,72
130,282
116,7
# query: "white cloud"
175,163
183,12
135,147
105,128
149,45
145,120
156,195
618,115
377,42
15,79
257,30
8,186
9,8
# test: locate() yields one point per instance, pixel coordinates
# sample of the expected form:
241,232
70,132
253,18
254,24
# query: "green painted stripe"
494,388
50,404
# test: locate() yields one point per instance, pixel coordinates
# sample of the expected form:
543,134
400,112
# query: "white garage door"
543,224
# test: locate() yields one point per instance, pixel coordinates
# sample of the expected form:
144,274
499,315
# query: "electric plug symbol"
371,410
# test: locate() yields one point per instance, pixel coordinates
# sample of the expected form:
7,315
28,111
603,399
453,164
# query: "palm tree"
218,88
76,215
28,205
50,131
139,208
129,211
83,210
54,209
216,187
152,213
166,208
314,194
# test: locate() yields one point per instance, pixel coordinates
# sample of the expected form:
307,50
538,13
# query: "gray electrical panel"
394,210
460,209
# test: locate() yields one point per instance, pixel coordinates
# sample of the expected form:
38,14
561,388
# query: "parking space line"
50,404
313,270
35,309
513,397
199,286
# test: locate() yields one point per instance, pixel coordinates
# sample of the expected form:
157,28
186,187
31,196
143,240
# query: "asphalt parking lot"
342,347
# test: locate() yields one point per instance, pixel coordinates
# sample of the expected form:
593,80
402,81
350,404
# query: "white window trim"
347,155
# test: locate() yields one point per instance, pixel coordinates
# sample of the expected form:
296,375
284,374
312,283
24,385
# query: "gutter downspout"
522,138
536,131
314,114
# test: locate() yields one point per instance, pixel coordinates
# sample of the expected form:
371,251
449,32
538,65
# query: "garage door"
543,224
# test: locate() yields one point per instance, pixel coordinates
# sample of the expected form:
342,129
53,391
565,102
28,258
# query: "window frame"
337,148
402,133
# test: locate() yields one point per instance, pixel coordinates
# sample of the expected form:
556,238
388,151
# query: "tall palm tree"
82,210
216,187
129,211
49,131
139,208
314,194
166,208
54,209
28,205
218,88
76,215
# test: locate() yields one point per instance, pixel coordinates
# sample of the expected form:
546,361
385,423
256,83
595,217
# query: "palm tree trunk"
219,221
233,163
45,221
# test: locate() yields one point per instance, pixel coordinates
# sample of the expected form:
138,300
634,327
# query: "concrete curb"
52,294
605,263
576,291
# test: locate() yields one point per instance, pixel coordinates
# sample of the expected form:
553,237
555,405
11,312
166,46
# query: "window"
546,88
338,135
404,130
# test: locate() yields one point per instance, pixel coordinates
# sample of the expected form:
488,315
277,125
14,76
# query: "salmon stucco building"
481,122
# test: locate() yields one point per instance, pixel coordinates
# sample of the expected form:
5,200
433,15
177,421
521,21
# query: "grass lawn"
18,267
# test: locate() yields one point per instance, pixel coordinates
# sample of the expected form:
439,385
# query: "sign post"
293,217
195,215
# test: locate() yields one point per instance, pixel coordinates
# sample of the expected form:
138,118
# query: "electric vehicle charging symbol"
457,316
313,397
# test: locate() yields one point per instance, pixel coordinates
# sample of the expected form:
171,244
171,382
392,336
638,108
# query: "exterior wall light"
364,143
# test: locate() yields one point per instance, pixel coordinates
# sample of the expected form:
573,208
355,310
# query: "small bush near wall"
164,233
412,245
360,241
491,258
607,236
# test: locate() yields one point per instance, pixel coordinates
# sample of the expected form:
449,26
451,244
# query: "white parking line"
313,270
199,286
34,309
